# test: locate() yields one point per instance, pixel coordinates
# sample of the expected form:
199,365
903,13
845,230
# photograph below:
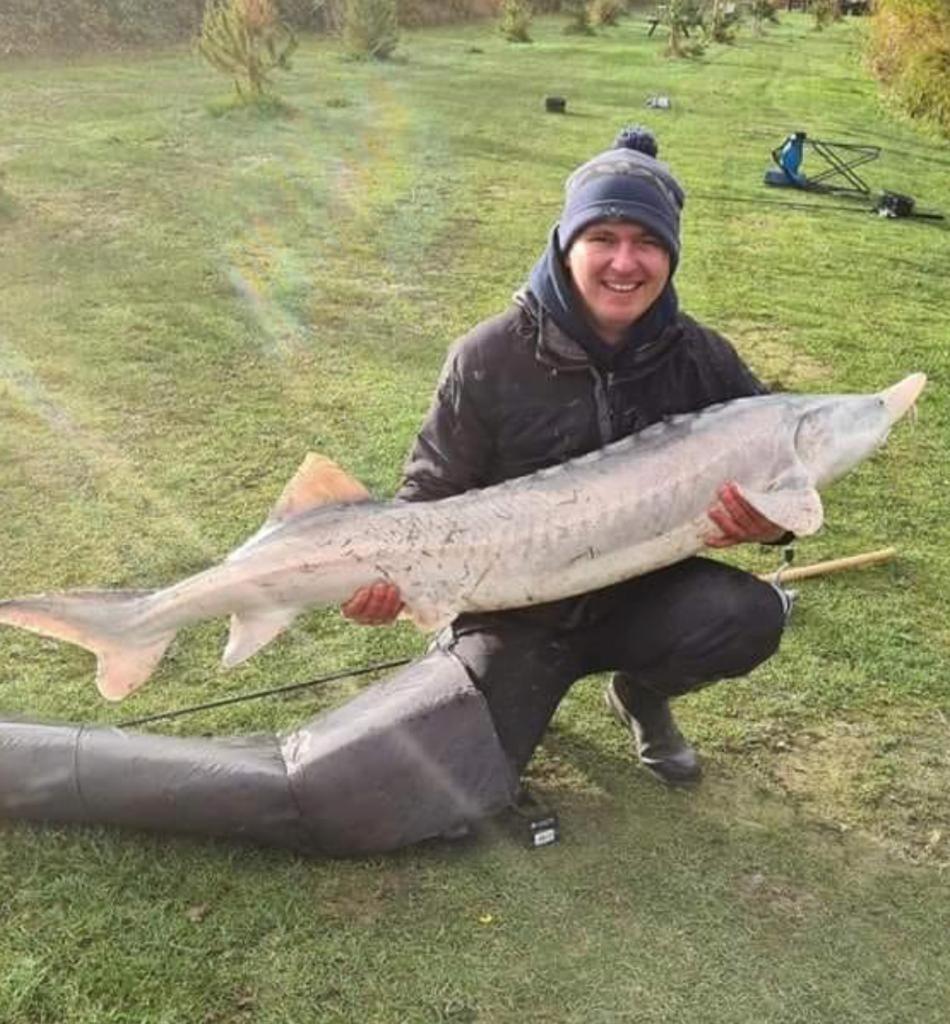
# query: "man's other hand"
738,522
377,605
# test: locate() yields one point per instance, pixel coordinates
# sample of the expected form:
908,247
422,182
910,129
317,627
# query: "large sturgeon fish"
631,507
416,755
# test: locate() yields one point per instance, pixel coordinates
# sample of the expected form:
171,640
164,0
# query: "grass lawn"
189,303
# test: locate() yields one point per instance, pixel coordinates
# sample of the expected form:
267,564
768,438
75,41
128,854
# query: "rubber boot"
661,747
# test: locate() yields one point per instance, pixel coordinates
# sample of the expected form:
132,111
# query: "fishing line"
819,207
718,197
240,698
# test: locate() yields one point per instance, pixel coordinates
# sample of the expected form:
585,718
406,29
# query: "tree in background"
516,20
909,51
329,14
247,40
825,12
762,11
721,21
371,28
679,16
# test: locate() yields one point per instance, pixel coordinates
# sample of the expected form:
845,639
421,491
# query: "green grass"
192,297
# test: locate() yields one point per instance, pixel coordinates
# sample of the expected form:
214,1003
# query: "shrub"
370,28
909,51
32,26
246,39
606,12
578,17
825,12
722,19
679,17
413,13
328,14
762,11
516,20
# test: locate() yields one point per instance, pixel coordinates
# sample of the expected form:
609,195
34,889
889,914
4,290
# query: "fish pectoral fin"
318,481
428,616
796,508
122,668
254,630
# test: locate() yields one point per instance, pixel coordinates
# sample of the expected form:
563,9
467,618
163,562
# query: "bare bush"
909,51
606,12
371,28
515,20
578,17
247,40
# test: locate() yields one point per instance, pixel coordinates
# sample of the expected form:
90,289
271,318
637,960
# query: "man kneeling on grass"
593,348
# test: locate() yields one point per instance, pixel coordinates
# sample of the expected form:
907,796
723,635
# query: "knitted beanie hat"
626,182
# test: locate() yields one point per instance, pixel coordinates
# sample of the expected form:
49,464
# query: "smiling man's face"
619,270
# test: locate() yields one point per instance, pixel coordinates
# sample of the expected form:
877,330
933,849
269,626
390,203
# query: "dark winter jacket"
517,394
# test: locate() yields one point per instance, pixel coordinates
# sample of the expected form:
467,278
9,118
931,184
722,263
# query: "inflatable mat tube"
410,758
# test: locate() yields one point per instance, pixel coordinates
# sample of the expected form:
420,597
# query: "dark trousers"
673,630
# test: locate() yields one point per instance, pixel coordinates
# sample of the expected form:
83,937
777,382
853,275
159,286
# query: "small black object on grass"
532,824
555,104
894,204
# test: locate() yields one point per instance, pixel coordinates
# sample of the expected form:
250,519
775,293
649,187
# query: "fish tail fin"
106,622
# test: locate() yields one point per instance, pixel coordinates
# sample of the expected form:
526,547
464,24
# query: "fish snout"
901,397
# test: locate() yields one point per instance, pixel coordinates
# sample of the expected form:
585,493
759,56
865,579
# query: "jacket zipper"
605,425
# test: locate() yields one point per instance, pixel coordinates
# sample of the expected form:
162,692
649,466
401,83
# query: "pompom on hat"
625,182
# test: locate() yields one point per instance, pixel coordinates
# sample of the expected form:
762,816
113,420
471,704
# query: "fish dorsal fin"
318,481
